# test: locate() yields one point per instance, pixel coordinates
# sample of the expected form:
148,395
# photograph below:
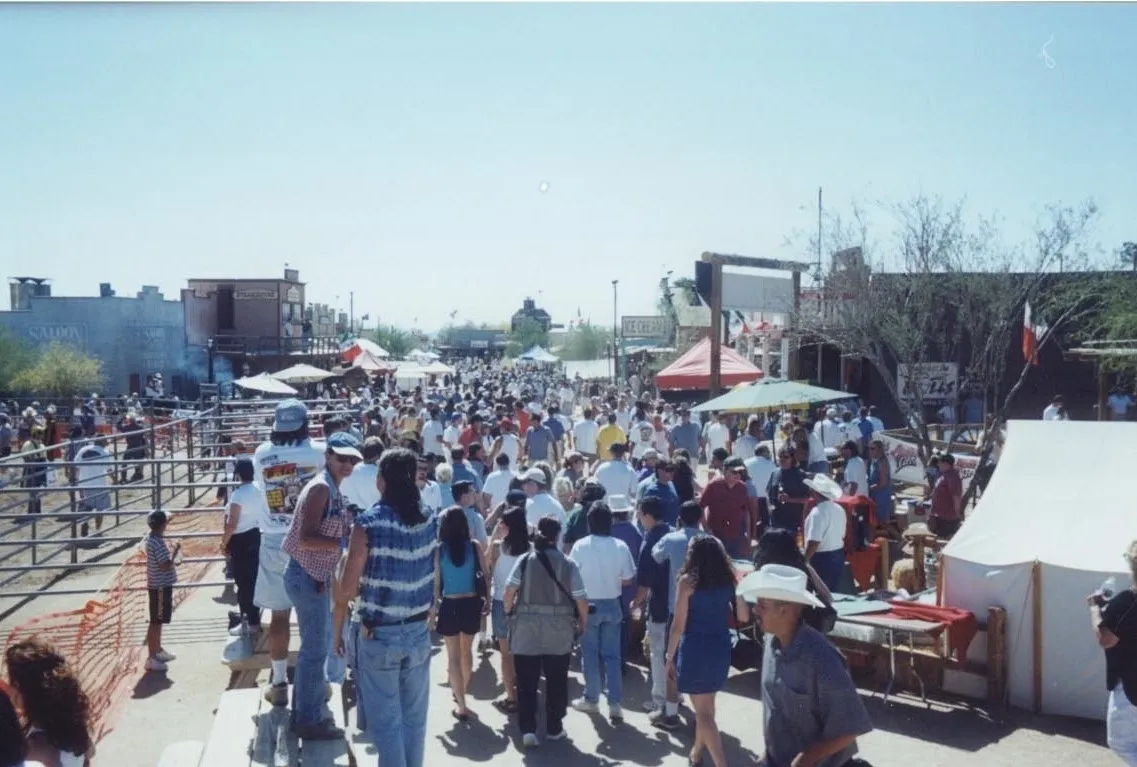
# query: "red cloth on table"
864,564
961,624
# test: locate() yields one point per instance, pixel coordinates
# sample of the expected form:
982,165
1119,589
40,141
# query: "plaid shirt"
334,523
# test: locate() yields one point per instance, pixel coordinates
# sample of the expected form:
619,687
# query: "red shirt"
727,509
521,421
468,436
947,488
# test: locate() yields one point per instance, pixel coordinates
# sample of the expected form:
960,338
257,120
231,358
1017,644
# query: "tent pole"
940,580
1036,612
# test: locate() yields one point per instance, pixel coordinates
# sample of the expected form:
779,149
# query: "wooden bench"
250,732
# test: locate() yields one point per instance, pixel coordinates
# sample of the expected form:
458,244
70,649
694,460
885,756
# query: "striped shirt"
158,554
334,523
398,578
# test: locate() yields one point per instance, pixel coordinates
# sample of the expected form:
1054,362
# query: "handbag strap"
544,560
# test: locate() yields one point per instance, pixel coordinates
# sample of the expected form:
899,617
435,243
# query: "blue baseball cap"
291,414
343,443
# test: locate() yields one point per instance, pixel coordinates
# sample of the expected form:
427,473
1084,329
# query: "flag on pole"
1032,336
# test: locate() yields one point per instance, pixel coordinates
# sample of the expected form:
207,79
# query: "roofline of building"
225,280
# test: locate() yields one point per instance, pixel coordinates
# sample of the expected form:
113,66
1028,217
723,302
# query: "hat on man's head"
343,443
779,583
651,454
290,415
824,486
538,476
619,504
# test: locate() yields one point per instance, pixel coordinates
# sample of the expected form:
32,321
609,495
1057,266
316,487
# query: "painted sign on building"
645,327
293,295
931,381
76,335
255,294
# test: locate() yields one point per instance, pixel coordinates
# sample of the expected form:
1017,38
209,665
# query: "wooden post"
996,656
1103,392
885,563
941,570
1036,650
716,328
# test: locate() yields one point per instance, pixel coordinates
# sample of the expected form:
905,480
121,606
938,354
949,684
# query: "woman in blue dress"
880,482
698,650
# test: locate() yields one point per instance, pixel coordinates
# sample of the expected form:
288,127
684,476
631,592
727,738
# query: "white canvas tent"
1043,537
421,356
537,354
302,374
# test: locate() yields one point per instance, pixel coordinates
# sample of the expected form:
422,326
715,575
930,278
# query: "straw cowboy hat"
779,583
825,487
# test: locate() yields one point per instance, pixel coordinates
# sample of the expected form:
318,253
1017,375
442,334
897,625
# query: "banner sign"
907,467
645,327
933,381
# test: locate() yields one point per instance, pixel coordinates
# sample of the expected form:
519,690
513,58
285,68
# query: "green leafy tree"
586,342
529,333
15,357
61,371
397,341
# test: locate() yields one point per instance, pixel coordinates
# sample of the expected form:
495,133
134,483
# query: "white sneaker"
154,664
585,706
165,656
529,740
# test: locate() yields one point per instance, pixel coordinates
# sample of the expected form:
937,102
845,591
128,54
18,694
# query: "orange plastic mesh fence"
104,639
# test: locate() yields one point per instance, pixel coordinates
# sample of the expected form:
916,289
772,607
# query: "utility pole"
351,313
615,336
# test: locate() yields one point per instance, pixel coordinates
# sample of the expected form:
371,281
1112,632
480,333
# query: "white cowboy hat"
779,583
619,504
824,486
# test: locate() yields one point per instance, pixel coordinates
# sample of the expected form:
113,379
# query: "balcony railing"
268,345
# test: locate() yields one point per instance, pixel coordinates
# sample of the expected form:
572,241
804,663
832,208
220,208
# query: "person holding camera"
1113,620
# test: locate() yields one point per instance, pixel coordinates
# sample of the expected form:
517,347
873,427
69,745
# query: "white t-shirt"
496,485
431,431
745,446
826,523
624,419
717,436
1051,413
431,495
254,508
855,471
359,487
760,470
660,442
501,571
584,436
511,446
543,505
605,563
282,472
816,448
830,434
618,478
642,435
94,476
567,396
450,435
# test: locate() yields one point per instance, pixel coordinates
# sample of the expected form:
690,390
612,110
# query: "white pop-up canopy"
1050,529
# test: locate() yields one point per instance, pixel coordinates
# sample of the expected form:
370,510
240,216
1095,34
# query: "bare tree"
943,287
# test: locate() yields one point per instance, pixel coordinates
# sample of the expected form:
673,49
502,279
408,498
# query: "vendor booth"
1043,537
692,371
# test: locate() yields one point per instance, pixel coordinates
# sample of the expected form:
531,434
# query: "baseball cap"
343,443
536,475
291,414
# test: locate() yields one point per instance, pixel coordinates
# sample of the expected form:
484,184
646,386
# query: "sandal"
506,706
460,716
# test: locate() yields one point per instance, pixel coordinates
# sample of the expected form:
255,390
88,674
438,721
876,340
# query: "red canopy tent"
693,369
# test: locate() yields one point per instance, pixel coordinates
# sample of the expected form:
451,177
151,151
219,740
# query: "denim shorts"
500,620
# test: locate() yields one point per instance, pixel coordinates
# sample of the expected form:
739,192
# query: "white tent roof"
537,354
265,384
419,354
302,373
438,369
1051,517
368,346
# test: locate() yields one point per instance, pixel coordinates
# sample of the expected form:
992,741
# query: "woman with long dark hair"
13,745
390,568
698,653
686,486
459,595
56,710
510,542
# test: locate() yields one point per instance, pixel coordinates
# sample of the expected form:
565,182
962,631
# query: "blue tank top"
455,579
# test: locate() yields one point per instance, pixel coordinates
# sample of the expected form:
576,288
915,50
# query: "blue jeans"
600,649
313,604
394,691
335,667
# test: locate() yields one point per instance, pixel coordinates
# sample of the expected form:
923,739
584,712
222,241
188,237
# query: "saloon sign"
76,335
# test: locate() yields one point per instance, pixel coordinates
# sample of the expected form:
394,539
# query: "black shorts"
161,605
460,616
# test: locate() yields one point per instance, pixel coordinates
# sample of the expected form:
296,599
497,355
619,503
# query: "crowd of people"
536,518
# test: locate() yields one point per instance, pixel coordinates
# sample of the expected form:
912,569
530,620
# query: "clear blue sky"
398,150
